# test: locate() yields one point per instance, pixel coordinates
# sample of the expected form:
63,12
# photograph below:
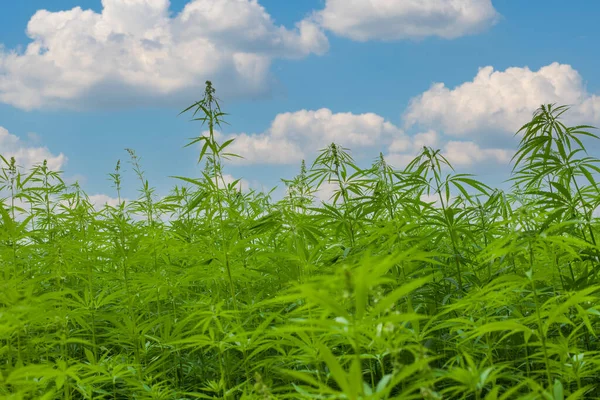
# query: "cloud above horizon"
135,50
27,155
294,136
390,20
500,102
458,153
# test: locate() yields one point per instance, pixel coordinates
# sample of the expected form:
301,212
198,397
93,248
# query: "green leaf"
558,390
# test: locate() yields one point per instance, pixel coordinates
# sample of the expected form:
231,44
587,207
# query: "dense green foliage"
216,293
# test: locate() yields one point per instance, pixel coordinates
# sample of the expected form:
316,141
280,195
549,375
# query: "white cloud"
325,192
294,136
135,50
26,156
414,143
431,198
458,153
502,101
403,150
461,153
100,200
264,149
393,20
242,184
399,160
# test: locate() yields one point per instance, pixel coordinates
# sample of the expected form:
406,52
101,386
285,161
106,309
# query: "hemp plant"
209,112
335,166
427,171
412,283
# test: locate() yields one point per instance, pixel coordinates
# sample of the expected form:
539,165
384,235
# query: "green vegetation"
216,293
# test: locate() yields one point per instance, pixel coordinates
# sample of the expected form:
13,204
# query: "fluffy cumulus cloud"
393,20
28,155
404,149
502,101
137,50
463,153
294,136
100,200
458,153
414,143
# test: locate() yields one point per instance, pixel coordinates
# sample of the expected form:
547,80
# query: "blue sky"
312,71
